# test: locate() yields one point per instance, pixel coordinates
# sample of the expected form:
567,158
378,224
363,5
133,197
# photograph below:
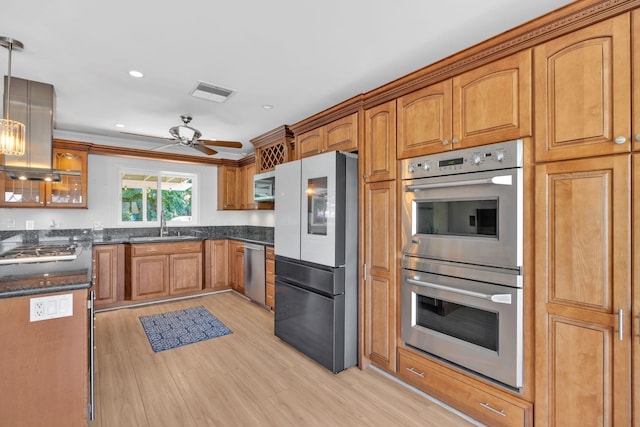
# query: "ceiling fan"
187,136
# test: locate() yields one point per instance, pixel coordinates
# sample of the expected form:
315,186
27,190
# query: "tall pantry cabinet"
380,281
583,228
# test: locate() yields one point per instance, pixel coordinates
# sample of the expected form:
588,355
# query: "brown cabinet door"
236,265
424,121
108,273
216,264
492,103
228,195
149,277
583,93
583,292
248,173
635,320
186,273
380,142
380,289
310,143
342,134
635,110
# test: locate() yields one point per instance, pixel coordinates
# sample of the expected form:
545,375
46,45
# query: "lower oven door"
475,325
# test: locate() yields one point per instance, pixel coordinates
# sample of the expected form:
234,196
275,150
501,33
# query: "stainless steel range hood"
32,103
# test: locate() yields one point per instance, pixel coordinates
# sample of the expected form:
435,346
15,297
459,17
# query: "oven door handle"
497,180
498,298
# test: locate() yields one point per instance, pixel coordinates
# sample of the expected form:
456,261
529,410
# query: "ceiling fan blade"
145,136
161,147
215,143
205,150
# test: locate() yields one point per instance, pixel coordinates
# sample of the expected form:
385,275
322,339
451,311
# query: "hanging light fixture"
12,133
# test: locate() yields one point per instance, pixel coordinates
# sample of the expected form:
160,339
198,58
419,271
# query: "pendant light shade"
12,133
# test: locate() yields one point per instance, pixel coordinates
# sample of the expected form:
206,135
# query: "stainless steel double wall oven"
462,231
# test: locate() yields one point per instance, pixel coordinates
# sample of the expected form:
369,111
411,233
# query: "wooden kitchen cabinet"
635,266
246,183
236,270
488,405
44,364
380,285
216,276
339,135
228,186
635,110
491,103
70,160
380,142
273,148
108,275
583,292
156,270
583,92
185,271
270,277
235,187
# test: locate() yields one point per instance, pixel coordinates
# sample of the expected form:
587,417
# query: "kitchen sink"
161,238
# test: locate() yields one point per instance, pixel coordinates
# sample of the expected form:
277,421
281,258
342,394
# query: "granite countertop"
22,279
114,240
35,284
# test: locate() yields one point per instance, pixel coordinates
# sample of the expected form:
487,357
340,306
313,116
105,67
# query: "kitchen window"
144,194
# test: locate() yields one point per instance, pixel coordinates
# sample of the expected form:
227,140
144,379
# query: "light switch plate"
51,307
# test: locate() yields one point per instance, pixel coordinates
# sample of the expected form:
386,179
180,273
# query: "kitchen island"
45,318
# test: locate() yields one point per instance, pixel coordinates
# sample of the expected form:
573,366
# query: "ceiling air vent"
211,92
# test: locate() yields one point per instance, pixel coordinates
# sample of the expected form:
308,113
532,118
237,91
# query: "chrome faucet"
163,224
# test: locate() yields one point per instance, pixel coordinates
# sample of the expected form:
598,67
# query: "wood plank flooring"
247,378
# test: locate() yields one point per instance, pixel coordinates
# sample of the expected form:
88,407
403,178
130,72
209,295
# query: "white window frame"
195,194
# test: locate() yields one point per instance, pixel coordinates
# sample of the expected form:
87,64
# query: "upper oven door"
473,218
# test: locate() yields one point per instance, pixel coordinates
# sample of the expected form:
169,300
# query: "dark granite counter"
31,278
60,276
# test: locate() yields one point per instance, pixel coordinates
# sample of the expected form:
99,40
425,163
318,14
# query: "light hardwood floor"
247,378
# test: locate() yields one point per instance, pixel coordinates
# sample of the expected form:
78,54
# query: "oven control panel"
502,155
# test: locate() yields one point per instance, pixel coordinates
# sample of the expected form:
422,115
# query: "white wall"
102,199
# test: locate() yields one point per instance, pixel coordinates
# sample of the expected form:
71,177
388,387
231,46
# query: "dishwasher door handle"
254,247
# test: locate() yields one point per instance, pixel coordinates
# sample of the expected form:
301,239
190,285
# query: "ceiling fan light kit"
187,136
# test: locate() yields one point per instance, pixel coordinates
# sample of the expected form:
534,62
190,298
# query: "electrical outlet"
51,307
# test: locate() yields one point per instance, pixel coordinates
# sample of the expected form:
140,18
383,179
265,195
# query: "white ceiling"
299,56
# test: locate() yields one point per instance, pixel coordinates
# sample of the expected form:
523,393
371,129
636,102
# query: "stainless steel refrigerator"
316,247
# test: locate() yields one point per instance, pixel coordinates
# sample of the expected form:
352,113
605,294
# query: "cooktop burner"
43,253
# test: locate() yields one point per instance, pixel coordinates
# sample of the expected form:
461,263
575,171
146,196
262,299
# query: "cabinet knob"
638,137
620,140
454,141
365,175
445,142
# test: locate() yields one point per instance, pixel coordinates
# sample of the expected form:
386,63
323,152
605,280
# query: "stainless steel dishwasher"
254,272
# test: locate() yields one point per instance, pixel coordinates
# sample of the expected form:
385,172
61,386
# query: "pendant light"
12,133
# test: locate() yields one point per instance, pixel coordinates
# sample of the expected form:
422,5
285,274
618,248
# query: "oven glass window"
317,206
456,217
469,324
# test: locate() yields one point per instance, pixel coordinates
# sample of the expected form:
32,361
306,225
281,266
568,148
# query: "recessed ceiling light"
119,125
137,74
267,107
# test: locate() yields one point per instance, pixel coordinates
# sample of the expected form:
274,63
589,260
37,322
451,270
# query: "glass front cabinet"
70,161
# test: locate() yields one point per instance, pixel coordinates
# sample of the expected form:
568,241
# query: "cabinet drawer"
487,405
166,248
